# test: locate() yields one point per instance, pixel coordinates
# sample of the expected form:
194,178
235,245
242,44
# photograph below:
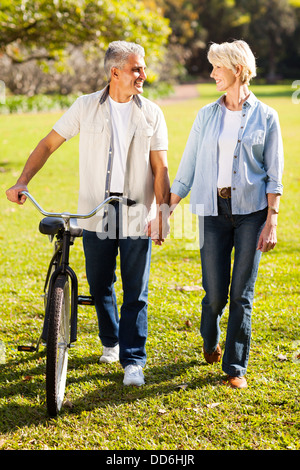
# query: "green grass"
183,404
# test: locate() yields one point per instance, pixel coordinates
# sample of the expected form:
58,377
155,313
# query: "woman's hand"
268,237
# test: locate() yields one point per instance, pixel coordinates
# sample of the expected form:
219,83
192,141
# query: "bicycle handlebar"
68,215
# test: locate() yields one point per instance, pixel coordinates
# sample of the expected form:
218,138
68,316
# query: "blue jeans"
129,329
222,233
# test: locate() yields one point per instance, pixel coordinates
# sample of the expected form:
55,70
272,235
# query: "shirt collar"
250,101
105,92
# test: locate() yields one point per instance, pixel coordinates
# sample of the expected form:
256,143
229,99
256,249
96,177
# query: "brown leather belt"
224,193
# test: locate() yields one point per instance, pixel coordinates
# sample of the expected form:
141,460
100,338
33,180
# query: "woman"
232,164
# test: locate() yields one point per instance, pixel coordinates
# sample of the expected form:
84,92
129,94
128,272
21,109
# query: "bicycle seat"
52,225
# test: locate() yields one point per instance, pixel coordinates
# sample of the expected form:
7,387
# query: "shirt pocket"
95,127
141,141
254,144
144,133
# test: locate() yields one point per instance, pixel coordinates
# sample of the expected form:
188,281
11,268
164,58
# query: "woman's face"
224,77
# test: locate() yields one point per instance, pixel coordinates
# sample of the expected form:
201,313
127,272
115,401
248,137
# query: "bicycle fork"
64,269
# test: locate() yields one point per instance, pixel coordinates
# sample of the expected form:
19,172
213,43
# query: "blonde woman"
233,164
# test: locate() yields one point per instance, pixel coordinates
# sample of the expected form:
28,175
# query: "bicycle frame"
63,251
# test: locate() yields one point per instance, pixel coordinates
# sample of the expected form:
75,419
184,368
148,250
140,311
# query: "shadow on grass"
160,381
26,403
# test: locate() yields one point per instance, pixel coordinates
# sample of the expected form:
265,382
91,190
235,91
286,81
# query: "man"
123,150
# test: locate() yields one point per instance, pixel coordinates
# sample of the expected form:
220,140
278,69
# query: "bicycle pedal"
85,300
27,348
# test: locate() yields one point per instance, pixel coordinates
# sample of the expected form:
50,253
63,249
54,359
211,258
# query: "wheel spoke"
58,344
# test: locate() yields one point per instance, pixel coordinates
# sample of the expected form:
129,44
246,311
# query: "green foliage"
183,405
36,103
43,29
271,27
24,104
175,34
271,23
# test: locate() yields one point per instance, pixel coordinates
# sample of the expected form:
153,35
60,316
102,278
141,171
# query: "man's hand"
159,228
13,194
34,163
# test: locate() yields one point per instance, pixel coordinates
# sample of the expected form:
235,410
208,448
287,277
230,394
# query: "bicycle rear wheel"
58,343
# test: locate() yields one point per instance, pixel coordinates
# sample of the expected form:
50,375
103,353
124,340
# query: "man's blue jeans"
222,234
129,329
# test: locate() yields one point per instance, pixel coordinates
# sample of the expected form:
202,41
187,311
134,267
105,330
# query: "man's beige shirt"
147,130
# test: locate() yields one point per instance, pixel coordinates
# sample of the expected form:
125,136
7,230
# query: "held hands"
159,228
13,194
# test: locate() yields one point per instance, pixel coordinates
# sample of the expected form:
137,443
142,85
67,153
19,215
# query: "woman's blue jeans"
222,234
129,329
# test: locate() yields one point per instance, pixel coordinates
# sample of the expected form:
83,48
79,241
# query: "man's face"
132,76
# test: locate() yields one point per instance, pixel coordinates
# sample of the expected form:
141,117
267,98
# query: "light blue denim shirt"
257,164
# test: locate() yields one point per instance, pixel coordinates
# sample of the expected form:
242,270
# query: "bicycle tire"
58,343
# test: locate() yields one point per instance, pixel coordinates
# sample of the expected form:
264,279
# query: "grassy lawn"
183,405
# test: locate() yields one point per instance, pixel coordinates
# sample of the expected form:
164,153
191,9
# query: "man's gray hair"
117,54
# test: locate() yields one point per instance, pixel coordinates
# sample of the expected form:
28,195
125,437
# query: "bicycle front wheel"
58,343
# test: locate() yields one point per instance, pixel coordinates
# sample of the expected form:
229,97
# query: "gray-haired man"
123,150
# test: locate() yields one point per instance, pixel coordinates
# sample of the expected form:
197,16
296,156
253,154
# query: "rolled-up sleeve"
274,157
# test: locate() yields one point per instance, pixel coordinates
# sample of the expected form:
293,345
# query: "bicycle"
61,298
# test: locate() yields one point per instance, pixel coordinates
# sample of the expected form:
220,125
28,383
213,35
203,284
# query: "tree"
269,26
196,23
43,29
271,22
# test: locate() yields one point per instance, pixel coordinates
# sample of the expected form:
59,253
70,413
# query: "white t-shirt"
231,123
120,118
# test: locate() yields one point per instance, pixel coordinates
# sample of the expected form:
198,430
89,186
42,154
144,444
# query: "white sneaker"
110,354
133,375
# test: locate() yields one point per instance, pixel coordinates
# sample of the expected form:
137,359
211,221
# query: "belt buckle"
225,193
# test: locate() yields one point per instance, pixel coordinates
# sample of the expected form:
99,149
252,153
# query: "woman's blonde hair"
232,54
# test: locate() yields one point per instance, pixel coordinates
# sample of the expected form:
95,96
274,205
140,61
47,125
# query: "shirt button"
233,189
